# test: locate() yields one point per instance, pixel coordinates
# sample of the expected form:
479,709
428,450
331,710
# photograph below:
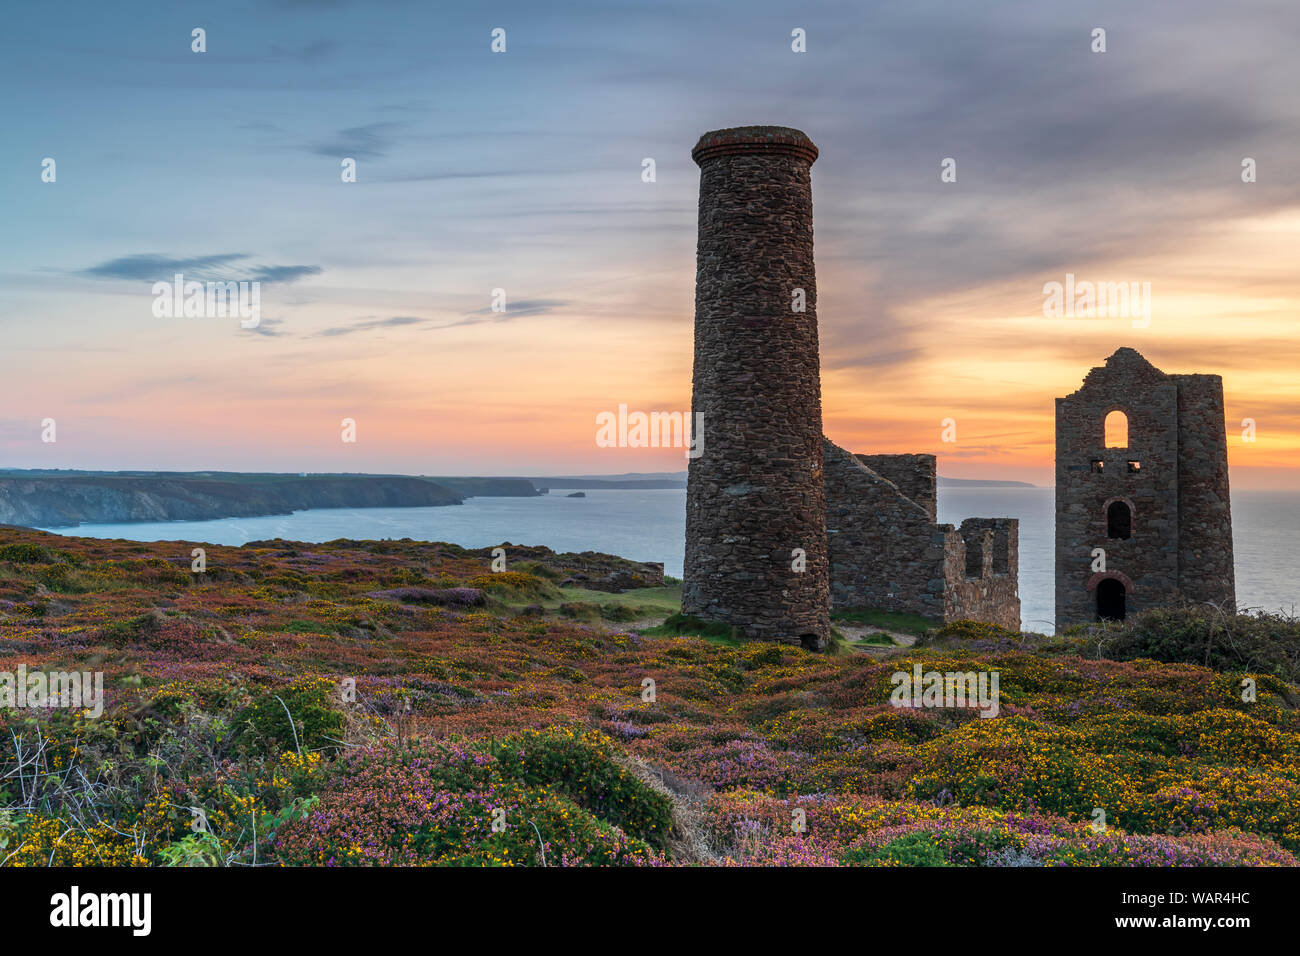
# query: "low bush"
1258,642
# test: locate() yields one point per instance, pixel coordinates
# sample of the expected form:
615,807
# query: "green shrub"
915,849
447,805
61,577
1259,642
618,612
579,611
263,724
974,631
122,633
196,849
582,766
24,554
759,655
514,585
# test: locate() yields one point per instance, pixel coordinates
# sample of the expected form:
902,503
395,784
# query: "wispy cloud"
151,267
285,273
366,142
520,309
270,328
366,324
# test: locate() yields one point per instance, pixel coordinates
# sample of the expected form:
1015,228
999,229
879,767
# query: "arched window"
1116,430
1119,520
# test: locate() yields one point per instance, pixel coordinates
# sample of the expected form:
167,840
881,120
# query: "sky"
522,171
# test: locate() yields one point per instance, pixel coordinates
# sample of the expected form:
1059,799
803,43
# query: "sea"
649,525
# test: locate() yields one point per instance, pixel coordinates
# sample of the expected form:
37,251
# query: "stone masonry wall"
1205,556
981,568
885,551
756,493
915,475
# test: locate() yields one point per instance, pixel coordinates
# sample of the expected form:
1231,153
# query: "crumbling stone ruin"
780,523
1143,516
887,551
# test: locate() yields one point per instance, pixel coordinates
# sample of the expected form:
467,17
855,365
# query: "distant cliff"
68,500
489,487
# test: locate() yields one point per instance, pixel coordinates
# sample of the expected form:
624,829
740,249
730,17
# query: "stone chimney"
755,500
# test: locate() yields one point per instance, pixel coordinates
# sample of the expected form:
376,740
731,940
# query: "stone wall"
915,475
1205,555
982,562
755,498
885,551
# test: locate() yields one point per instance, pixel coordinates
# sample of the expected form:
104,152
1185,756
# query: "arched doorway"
1112,600
1119,520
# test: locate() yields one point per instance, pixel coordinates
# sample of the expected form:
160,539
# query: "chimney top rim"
738,140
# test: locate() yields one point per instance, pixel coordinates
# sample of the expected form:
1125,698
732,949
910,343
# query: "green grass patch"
653,601
582,604
878,640
889,620
513,588
687,625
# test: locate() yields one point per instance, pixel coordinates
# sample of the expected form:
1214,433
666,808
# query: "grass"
584,604
652,601
878,640
641,604
889,620
682,625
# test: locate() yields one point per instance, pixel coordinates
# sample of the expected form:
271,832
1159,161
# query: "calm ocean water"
650,526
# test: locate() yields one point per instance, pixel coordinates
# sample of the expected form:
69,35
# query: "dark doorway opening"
1112,600
1119,520
810,642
